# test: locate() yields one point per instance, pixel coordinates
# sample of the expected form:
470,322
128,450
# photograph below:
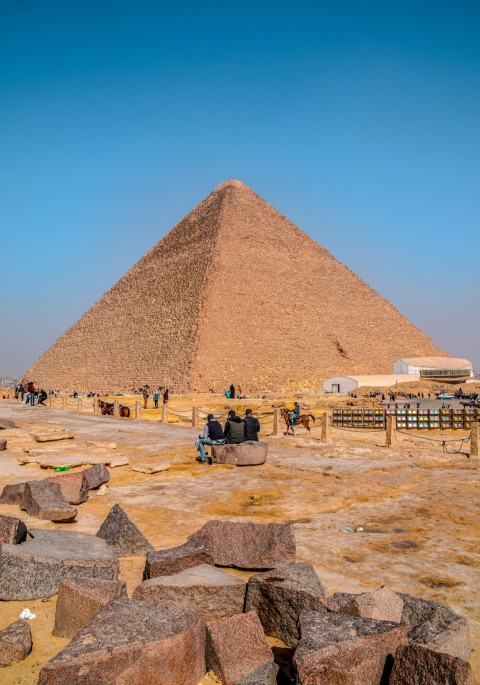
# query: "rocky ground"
415,508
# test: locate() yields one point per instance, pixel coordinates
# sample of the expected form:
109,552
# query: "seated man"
252,426
295,414
234,429
212,435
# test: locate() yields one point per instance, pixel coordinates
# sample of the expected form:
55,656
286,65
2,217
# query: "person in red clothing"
165,396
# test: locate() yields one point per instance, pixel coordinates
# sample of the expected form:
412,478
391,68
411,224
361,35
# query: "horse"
124,411
302,420
106,408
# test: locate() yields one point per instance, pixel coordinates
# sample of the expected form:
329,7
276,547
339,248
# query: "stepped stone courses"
159,323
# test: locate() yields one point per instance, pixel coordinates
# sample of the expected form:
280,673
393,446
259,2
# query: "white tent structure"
345,384
446,369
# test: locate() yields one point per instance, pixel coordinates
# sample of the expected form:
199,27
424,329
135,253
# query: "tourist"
165,396
42,396
156,397
212,435
32,393
295,414
234,429
145,396
232,392
252,426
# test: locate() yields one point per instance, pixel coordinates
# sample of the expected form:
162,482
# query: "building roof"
437,362
386,379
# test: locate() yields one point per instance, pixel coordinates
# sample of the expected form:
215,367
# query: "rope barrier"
443,442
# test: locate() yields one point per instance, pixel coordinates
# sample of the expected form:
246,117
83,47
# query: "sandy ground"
419,508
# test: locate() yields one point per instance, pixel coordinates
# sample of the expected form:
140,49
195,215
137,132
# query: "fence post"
50,401
164,413
326,435
194,417
137,409
474,440
277,429
391,434
115,407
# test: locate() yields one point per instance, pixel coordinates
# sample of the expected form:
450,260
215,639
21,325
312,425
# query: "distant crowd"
235,431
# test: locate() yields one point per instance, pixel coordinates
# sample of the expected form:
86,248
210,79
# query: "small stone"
150,468
382,605
45,501
96,475
35,569
13,494
15,642
52,436
130,642
12,530
248,453
119,531
338,600
247,545
236,648
280,595
102,490
3,445
74,486
7,423
204,588
166,562
335,649
80,599
264,675
415,664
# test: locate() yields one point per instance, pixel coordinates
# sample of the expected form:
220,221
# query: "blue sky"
358,121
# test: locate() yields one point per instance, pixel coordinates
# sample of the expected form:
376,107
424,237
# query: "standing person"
234,429
156,397
32,391
145,397
165,396
252,426
212,435
232,392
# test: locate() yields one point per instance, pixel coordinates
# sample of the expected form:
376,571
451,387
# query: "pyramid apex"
232,183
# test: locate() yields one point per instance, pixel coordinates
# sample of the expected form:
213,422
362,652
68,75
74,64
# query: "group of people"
157,393
235,431
29,394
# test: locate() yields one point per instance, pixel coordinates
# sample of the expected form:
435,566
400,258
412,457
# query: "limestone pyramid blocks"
35,568
133,642
205,589
247,545
119,531
53,436
15,642
12,530
7,423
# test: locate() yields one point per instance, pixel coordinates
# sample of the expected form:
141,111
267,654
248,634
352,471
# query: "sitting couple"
236,430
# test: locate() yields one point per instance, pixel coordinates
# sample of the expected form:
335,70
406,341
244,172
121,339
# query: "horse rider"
295,414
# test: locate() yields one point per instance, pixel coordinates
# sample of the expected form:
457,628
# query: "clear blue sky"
360,121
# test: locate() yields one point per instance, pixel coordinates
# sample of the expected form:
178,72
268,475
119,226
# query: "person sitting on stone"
295,414
234,429
212,435
42,396
252,426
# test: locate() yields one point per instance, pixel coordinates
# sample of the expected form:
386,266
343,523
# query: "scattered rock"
46,501
166,562
264,675
335,649
236,648
96,475
248,453
74,486
248,545
52,459
52,436
15,642
35,569
102,490
119,531
204,588
13,531
280,595
131,642
435,626
80,599
415,664
13,494
338,600
7,423
151,468
382,605
3,445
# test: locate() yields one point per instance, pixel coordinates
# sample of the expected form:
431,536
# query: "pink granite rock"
248,453
74,486
3,445
382,605
46,501
13,494
120,532
96,475
166,562
13,531
15,642
414,664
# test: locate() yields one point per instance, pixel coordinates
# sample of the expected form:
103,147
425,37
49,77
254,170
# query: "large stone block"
96,476
7,423
13,531
35,568
280,595
15,642
248,453
165,562
119,531
74,486
414,664
80,599
133,643
204,588
3,445
381,605
45,501
53,436
13,494
247,545
236,648
335,649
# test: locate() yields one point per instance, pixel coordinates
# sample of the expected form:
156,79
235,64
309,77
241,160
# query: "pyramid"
234,293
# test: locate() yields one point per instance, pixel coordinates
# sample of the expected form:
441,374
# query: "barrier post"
326,435
194,417
50,401
277,428
115,407
164,413
474,441
391,433
137,409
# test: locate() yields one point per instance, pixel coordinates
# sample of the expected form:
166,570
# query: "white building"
345,384
446,369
